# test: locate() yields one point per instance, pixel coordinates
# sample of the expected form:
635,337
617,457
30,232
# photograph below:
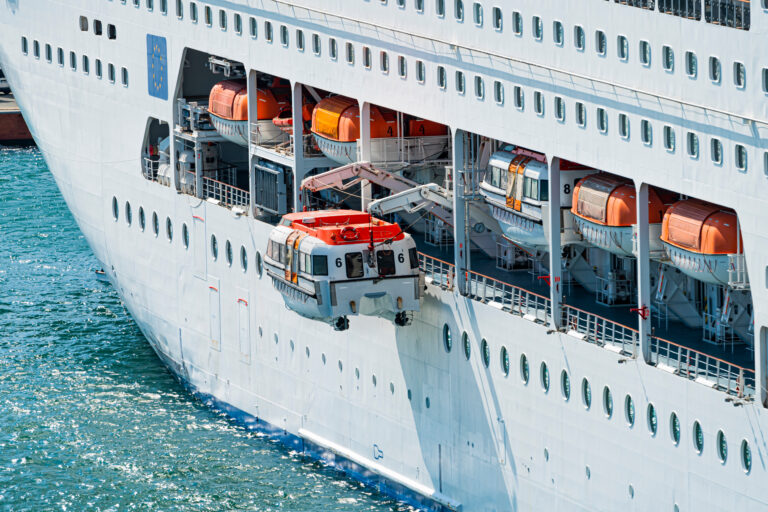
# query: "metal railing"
225,193
508,297
694,365
729,13
149,168
601,331
441,272
690,9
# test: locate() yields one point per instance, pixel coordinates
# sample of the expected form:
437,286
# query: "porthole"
467,346
426,402
746,457
373,380
653,422
155,223
142,219
698,437
447,338
259,267
128,213
674,428
341,366
544,377
525,373
586,394
607,402
486,353
185,236
115,209
722,447
357,373
214,248
391,385
243,259
504,361
565,385
558,34
169,229
629,411
228,252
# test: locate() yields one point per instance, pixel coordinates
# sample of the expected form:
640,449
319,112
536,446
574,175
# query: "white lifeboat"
332,264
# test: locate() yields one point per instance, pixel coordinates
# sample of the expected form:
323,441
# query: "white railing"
225,193
737,272
601,331
149,168
694,365
440,272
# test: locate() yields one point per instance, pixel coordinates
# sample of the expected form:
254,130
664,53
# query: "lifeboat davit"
605,210
332,264
336,127
700,237
228,107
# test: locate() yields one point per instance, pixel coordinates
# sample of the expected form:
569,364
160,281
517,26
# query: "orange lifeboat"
605,210
228,107
699,238
336,127
284,119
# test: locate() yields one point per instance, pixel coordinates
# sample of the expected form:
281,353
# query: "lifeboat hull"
414,149
614,239
709,268
237,131
520,229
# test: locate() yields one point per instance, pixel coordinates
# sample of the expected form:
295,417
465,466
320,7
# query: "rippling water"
89,418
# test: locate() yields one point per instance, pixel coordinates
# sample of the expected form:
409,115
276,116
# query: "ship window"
193,12
421,71
97,27
669,138
646,132
607,402
653,422
115,209
254,26
440,8
243,259
538,28
698,437
442,79
674,428
284,35
722,447
624,126
538,103
124,76
565,385
136,3
477,14
180,9
765,80
402,66
185,236
586,394
765,163
460,82
581,114
98,68
531,188
401,4
385,262
60,56
668,58
238,24
622,48
602,120
83,24
36,48
458,9
517,23
413,257
486,353
164,6
578,38
645,53
215,248
498,92
519,97
717,151
111,31
354,262
746,457
479,88
72,61
419,5
557,33
714,69
498,19
228,252
350,54
155,224
316,44
268,31
333,49
384,62
257,259
544,374
543,190
741,158
48,53
525,371
691,64
559,109
169,229
629,411
142,218
24,46
86,65
150,5
366,57
601,43
466,345
208,16
693,145
739,75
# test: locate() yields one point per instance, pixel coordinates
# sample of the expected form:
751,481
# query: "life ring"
348,233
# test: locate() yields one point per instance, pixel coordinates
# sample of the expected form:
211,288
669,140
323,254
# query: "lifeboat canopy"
229,100
701,227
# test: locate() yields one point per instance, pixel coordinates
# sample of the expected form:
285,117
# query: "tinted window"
320,265
354,264
385,261
413,255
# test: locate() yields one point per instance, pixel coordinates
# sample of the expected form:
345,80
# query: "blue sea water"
89,417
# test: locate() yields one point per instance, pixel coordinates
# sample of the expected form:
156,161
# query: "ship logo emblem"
157,67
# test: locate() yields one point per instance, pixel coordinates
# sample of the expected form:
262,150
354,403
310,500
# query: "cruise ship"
480,255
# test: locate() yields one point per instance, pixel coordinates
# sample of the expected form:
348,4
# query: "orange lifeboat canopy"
702,227
339,227
338,118
229,100
611,201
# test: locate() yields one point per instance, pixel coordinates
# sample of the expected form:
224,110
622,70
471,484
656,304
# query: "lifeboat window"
208,16
558,34
384,62
193,12
385,261
350,54
180,9
739,75
284,35
442,79
333,49
544,190
517,23
669,58
319,265
645,53
669,138
477,14
413,256
691,64
354,264
497,19
622,45
581,114
498,92
601,42
268,31
440,8
531,188
578,38
238,24
254,26
741,158
366,57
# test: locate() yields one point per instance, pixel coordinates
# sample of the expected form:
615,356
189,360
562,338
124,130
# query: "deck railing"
729,13
508,297
225,193
694,365
149,168
601,331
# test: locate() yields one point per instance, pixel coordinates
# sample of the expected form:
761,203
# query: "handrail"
225,193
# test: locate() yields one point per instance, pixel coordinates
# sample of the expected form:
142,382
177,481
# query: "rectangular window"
578,38
300,40
669,139
238,24
498,92
208,16
498,20
72,61
602,120
350,54
180,9
538,28
458,9
384,62
98,68
716,151
268,31
693,145
581,114
601,42
83,24
86,65
519,97
402,67
97,28
739,75
622,47
538,103
624,126
765,80
284,39
477,14
366,57
668,58
645,53
517,23
111,73
385,262
714,69
24,46
60,56
254,26
691,65
319,265
440,8
460,85
124,76
354,262
36,48
558,33
333,49
419,5
48,53
164,6
741,158
479,88
559,109
421,71
193,12
316,44
442,79
646,132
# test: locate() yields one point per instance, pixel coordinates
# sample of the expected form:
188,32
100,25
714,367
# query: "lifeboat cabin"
332,264
516,189
700,238
228,108
605,211
336,128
